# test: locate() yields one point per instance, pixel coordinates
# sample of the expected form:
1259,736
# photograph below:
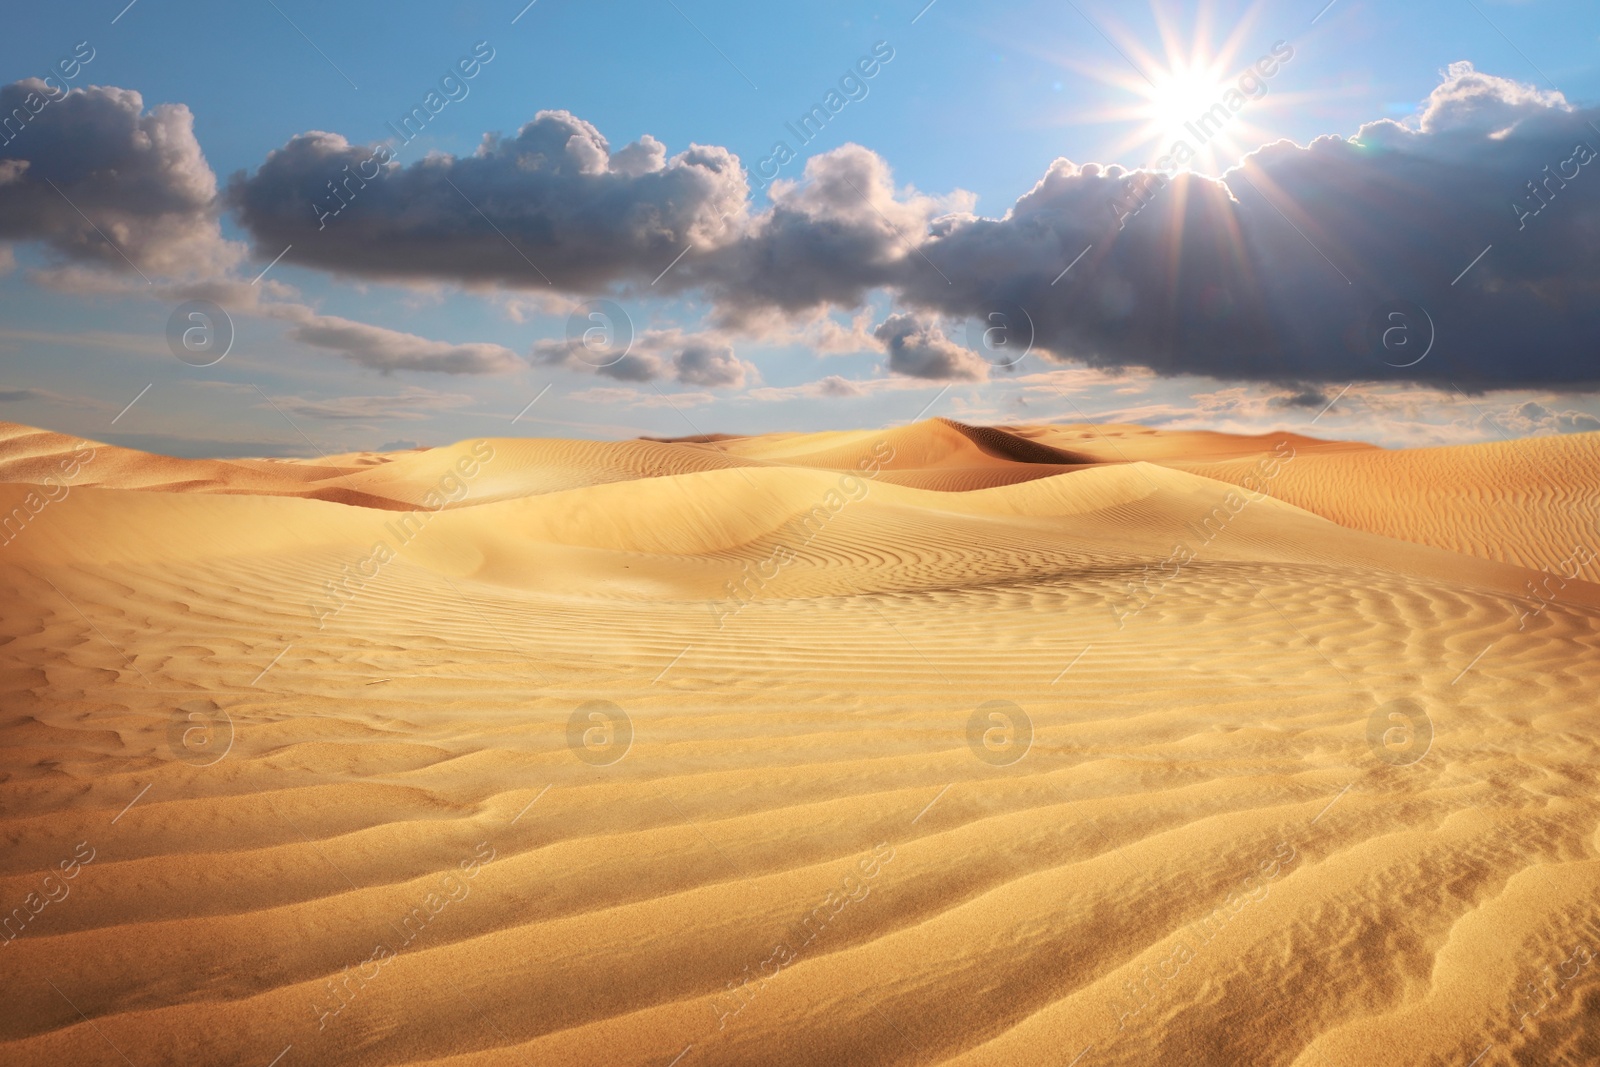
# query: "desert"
908,746
864,533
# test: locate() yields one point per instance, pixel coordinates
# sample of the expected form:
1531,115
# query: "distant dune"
936,744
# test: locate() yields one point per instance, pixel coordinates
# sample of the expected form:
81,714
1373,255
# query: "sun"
1189,98
1174,99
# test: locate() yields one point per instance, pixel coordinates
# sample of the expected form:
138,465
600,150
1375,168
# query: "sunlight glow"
1196,102
1175,100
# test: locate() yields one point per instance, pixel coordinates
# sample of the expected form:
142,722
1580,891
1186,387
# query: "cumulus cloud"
96,178
711,364
1273,272
704,359
551,206
823,331
828,239
921,350
838,387
1531,417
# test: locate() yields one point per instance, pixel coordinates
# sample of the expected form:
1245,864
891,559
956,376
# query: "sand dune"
1533,503
319,744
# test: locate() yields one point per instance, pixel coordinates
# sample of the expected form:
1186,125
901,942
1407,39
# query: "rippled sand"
929,745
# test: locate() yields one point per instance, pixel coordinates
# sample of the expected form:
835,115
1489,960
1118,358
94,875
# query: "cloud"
389,350
1273,272
410,404
827,240
705,359
612,396
16,396
836,387
920,350
819,330
376,347
552,206
1531,417
711,364
95,177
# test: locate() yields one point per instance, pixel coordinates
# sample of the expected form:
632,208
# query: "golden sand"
939,744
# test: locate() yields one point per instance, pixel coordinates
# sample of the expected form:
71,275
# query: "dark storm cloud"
90,166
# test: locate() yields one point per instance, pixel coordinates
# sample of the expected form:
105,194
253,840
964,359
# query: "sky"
285,228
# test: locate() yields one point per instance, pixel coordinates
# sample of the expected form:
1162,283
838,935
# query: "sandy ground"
1035,745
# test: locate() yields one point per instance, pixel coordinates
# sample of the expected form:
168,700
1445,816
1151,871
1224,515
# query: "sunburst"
1194,104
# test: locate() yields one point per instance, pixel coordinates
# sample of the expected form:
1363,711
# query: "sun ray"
1188,103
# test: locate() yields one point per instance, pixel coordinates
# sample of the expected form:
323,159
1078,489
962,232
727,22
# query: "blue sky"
970,113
